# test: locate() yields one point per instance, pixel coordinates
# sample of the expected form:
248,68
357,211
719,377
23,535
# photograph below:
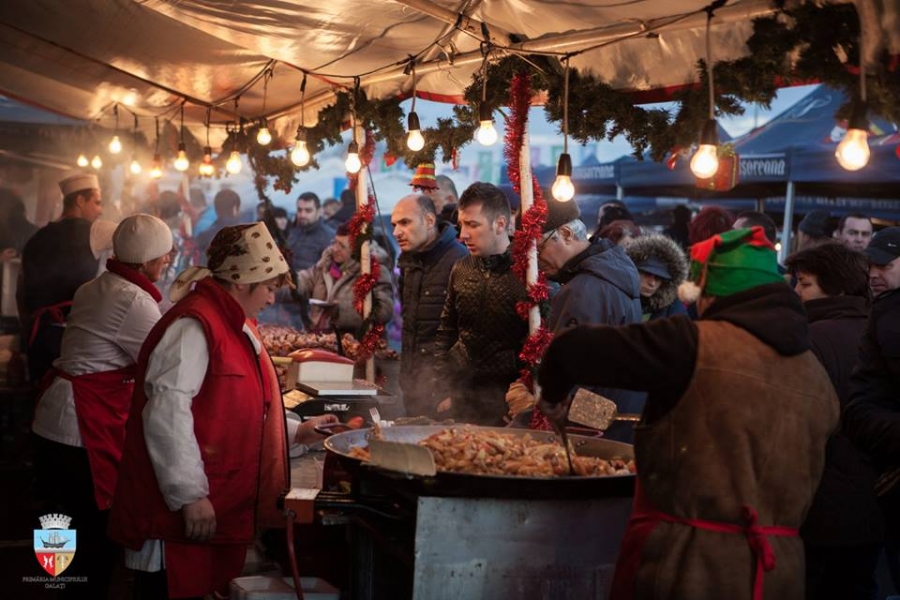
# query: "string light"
181,161
300,154
135,166
264,136
562,188
234,164
705,161
852,153
486,134
353,164
156,167
115,145
82,160
97,162
414,140
207,168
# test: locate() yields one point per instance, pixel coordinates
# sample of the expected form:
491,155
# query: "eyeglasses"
544,241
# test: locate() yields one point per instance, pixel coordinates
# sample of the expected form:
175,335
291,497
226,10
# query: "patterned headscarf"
239,254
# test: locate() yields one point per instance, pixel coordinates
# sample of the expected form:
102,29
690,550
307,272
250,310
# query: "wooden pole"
526,192
365,258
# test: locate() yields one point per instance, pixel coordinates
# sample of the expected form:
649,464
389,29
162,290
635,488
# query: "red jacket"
229,422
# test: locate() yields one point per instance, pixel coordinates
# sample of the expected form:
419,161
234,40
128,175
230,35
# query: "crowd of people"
161,408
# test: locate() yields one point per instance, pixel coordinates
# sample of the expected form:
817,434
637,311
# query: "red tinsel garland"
364,215
527,236
364,284
359,229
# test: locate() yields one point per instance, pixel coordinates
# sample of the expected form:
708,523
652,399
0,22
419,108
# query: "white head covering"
239,254
141,238
79,182
102,237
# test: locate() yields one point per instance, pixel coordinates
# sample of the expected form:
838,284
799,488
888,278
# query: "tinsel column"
365,255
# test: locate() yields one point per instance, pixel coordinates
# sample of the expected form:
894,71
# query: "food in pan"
476,452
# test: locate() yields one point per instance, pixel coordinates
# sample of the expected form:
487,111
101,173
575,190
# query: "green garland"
816,36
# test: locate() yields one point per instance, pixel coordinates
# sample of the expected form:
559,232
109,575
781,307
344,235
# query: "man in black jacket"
428,252
481,333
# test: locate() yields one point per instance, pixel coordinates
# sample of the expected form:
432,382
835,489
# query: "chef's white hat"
141,238
79,182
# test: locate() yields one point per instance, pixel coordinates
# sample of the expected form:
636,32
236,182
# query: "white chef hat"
79,182
141,238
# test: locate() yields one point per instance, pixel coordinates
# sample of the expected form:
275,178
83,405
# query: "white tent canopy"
79,58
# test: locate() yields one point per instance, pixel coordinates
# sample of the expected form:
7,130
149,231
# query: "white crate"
257,587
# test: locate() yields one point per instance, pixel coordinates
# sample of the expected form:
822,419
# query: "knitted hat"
141,238
815,223
730,262
559,213
238,254
78,183
423,178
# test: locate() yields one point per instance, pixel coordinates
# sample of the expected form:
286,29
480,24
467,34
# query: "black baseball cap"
884,247
655,266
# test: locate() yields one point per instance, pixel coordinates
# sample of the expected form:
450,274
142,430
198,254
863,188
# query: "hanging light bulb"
135,166
300,153
263,136
156,167
562,188
115,145
97,162
486,134
414,141
181,161
705,161
82,160
853,151
353,164
207,168
233,164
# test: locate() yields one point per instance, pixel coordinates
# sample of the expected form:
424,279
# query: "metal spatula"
596,411
405,458
558,417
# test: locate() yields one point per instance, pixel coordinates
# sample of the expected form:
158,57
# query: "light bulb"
115,145
156,168
353,164
853,151
97,162
206,167
486,134
82,160
233,164
135,166
414,141
562,189
263,136
705,163
181,161
300,154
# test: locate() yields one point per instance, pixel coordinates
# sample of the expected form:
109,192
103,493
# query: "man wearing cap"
812,229
884,268
481,334
600,286
79,420
205,447
428,251
55,262
731,445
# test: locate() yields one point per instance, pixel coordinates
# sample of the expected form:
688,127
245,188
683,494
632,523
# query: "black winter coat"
424,277
480,337
872,418
307,243
845,510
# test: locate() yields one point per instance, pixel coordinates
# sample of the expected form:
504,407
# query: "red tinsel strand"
519,103
369,344
367,152
534,345
365,215
539,421
364,284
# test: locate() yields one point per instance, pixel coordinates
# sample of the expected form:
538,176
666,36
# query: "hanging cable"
853,153
705,161
414,139
300,153
562,188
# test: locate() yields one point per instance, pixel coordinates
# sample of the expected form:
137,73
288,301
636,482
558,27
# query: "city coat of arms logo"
54,543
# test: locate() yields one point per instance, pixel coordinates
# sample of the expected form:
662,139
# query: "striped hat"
423,179
730,262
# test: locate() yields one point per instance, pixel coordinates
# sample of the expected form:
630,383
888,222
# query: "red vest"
229,420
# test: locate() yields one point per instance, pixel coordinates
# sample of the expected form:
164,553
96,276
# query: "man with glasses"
600,286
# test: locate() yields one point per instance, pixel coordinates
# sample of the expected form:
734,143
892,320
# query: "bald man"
429,250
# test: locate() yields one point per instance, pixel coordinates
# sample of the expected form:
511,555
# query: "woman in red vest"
80,418
205,452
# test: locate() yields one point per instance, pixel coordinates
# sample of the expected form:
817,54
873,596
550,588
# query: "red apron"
56,315
102,403
644,519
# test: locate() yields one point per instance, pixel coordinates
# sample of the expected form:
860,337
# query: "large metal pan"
488,486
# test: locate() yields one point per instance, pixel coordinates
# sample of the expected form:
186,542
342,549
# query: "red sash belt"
757,537
56,314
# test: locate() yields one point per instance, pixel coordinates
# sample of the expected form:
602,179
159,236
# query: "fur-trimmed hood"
669,252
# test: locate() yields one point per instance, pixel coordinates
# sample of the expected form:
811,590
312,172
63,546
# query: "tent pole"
620,192
788,222
526,192
365,253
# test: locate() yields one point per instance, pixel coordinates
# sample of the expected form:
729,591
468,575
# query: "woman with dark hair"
620,232
708,222
844,528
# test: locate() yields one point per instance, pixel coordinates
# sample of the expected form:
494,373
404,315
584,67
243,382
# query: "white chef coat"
108,323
